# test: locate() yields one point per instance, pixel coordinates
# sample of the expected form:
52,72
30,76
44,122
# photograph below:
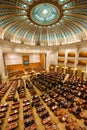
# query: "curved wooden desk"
51,126
2,115
12,118
26,108
13,112
4,105
4,109
11,126
1,121
14,107
63,118
32,127
46,120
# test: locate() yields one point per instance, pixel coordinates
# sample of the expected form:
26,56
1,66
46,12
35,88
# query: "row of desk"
46,118
62,97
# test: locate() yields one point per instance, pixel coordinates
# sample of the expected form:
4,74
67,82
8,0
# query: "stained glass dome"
45,14
53,22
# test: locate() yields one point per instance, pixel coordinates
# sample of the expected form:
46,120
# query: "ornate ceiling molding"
12,46
17,21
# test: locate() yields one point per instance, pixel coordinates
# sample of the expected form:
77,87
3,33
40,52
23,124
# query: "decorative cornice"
7,44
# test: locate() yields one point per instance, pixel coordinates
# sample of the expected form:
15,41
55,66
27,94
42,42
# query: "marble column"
2,66
65,61
76,60
51,58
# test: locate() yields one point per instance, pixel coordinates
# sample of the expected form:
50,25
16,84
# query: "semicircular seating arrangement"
61,105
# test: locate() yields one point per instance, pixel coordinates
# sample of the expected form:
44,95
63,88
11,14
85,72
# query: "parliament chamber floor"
44,102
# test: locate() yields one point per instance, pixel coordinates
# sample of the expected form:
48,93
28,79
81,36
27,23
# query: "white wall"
51,58
34,58
2,66
13,58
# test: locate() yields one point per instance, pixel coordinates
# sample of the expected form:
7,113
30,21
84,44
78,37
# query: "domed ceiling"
49,22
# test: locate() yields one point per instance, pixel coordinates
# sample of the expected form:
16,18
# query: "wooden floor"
39,124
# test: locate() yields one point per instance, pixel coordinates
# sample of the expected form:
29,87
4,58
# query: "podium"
52,68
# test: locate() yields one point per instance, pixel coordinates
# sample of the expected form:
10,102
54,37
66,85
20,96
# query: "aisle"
38,121
60,125
54,118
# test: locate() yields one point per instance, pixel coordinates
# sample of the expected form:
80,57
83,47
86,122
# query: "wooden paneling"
62,54
42,59
60,69
61,60
82,62
76,73
33,65
80,73
70,70
71,54
25,59
21,66
52,68
14,67
83,54
70,61
28,66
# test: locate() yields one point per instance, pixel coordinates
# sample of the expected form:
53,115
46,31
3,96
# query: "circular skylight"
45,14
